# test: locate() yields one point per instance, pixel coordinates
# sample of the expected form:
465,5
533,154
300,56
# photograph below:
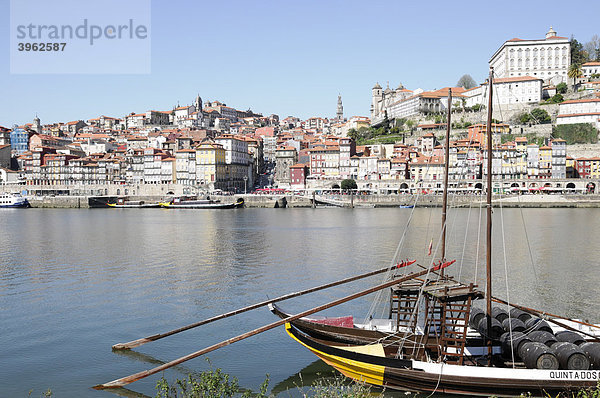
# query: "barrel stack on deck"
523,337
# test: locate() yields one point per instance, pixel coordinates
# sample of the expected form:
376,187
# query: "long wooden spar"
140,375
154,337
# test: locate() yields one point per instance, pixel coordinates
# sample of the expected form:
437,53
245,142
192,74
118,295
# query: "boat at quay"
184,202
123,203
10,200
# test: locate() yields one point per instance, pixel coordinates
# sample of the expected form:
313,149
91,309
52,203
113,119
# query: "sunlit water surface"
74,282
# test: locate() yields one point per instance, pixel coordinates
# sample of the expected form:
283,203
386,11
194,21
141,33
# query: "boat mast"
446,167
489,217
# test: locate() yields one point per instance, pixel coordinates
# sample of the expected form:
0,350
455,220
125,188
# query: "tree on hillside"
574,73
540,115
466,81
592,48
353,133
557,98
536,116
579,133
561,88
578,54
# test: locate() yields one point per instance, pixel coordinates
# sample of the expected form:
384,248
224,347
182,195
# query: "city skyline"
291,59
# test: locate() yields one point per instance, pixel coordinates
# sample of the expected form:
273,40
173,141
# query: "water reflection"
74,282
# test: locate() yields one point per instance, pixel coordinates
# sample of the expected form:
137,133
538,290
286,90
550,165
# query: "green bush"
561,88
507,137
536,116
209,384
580,133
557,98
340,388
216,384
541,116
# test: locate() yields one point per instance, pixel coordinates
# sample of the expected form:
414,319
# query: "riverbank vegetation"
216,384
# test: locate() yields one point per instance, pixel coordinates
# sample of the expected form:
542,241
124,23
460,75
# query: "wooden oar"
140,375
144,340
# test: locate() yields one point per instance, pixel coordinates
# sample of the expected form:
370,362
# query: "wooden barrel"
512,342
570,356
519,314
477,314
496,328
593,352
570,337
533,324
499,313
514,324
538,356
543,337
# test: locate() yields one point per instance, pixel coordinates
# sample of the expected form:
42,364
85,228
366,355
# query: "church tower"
340,109
37,125
198,103
377,97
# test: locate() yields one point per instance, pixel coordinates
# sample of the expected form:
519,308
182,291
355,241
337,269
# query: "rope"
512,351
527,239
462,257
395,259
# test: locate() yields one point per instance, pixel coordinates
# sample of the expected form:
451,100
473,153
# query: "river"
74,282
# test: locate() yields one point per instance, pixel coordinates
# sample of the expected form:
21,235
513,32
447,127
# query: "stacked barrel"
532,340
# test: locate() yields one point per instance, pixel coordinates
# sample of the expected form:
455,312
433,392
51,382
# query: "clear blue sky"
292,58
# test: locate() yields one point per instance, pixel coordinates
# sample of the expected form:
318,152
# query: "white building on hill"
579,111
520,90
548,58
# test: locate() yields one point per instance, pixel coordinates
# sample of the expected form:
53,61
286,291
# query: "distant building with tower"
37,125
339,115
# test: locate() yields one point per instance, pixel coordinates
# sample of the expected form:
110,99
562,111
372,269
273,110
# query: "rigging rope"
394,261
528,243
512,351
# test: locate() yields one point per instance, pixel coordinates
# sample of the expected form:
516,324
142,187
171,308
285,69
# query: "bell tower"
340,109
377,97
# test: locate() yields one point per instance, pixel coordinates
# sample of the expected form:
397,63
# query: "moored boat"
194,203
378,365
9,200
123,203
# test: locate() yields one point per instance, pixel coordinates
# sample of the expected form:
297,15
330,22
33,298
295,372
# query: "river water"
74,282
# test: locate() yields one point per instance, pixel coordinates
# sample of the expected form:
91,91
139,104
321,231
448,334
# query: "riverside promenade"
357,201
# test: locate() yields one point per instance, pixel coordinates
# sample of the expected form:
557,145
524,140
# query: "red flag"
430,247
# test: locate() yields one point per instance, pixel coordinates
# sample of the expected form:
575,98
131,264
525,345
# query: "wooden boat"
378,365
436,340
191,203
123,203
9,200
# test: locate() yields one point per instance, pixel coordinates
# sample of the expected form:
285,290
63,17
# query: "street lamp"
245,181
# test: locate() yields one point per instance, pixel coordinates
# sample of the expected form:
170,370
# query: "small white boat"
10,200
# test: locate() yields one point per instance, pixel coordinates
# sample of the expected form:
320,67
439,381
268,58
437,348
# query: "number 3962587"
41,46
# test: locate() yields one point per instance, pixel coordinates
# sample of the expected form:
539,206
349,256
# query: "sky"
290,57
